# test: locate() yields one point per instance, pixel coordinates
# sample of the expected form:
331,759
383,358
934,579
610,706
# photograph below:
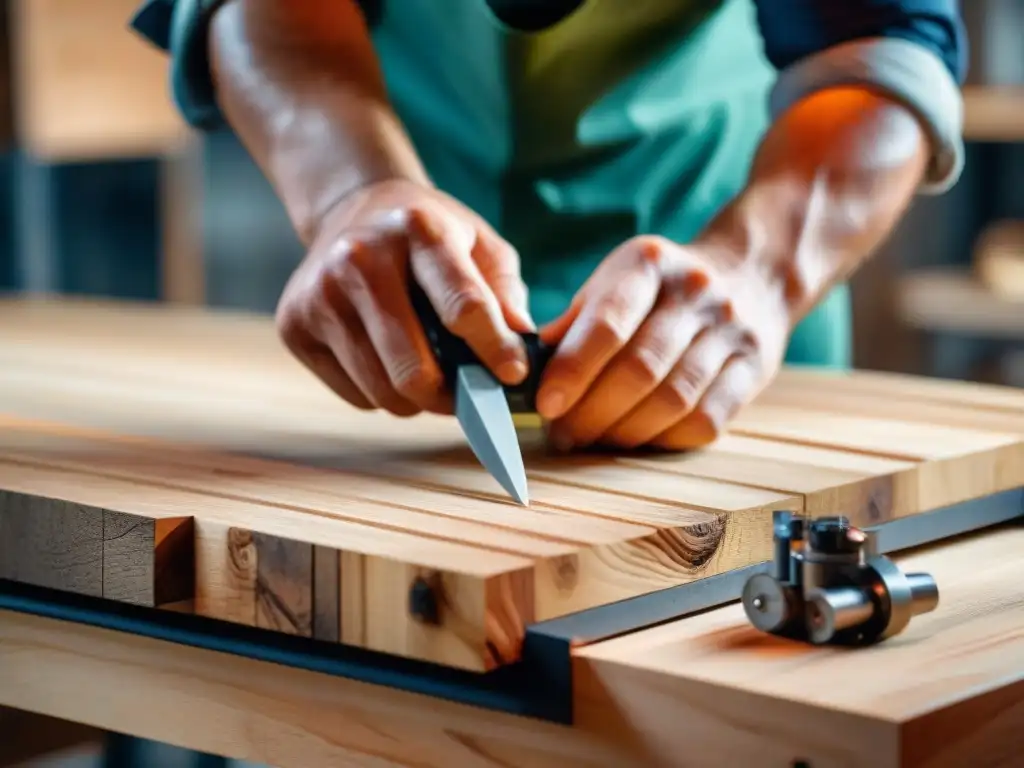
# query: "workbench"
199,544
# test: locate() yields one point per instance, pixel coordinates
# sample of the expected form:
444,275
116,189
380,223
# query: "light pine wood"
711,690
703,691
954,300
999,259
87,86
993,113
313,518
268,713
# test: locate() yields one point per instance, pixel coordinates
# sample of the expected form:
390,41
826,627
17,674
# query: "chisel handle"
453,352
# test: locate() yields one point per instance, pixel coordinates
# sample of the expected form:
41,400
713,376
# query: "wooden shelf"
950,299
994,113
88,88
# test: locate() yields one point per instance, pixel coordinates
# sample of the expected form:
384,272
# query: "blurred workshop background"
104,192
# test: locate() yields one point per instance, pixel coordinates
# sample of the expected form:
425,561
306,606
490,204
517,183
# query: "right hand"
346,311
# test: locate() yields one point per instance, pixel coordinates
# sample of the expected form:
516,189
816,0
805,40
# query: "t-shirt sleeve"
914,50
180,27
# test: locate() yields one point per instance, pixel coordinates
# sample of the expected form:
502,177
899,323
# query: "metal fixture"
830,585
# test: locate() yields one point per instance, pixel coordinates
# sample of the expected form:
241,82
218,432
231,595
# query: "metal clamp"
832,586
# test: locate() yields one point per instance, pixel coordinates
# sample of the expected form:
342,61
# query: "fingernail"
552,404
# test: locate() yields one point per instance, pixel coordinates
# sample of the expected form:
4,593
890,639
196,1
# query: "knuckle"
566,369
722,310
463,309
644,366
685,384
412,379
651,247
748,342
503,253
335,274
424,223
287,320
347,267
611,319
679,394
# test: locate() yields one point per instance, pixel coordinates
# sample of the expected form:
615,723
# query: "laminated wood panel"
313,518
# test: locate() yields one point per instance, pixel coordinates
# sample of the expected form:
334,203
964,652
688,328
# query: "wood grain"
703,691
949,691
315,519
267,713
94,550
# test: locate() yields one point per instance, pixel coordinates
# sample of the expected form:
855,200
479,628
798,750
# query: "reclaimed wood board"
948,691
181,459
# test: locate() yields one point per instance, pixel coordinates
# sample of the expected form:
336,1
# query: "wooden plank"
51,543
954,464
857,399
900,487
146,399
94,551
284,585
326,594
231,586
629,719
949,691
971,396
148,561
267,713
621,547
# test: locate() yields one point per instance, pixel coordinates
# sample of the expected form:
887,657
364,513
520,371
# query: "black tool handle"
453,352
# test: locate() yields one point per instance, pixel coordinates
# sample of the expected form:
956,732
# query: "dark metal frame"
540,684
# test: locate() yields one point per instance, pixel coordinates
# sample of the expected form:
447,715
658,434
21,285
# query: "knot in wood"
424,601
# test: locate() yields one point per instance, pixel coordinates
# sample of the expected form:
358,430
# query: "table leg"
37,268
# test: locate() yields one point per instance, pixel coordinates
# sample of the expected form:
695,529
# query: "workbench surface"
182,460
701,692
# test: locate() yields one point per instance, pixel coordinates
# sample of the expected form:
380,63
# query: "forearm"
300,84
828,184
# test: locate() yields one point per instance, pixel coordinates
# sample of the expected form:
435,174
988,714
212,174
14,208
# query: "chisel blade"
484,414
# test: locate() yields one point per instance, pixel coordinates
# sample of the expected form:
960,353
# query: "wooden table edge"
255,710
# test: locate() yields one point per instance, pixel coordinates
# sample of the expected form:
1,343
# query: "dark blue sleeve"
794,29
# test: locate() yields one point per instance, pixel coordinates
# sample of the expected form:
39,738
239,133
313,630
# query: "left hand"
662,346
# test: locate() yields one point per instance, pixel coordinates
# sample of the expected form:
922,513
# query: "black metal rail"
540,684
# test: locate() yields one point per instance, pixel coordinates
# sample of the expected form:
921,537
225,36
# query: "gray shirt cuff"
904,70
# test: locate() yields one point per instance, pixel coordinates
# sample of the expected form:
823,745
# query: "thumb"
498,263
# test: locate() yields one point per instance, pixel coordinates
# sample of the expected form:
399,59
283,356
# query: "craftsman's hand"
661,347
347,315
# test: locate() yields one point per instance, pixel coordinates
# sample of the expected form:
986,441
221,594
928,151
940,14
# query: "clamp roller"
830,585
